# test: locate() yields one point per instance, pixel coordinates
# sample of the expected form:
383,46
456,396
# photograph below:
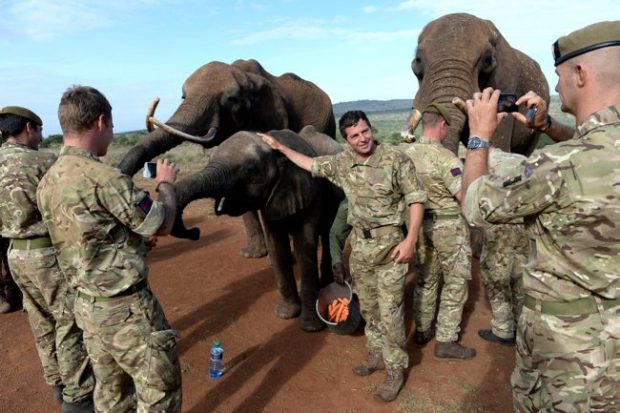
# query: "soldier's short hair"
351,118
80,107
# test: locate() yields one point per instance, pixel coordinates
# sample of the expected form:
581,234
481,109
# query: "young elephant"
243,175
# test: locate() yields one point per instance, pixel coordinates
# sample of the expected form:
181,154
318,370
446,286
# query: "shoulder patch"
145,204
528,171
456,171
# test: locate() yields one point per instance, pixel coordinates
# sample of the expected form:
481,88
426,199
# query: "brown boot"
373,362
388,390
421,338
453,351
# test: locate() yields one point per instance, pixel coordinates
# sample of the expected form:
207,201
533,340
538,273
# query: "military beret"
592,37
23,112
439,109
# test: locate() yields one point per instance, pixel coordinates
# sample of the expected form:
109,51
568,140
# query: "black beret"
592,37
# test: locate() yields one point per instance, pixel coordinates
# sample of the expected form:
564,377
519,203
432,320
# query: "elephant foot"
310,321
250,251
286,310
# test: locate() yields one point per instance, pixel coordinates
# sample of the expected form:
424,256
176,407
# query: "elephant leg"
255,241
305,241
278,246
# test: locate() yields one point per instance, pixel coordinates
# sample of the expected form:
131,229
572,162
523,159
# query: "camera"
507,103
150,170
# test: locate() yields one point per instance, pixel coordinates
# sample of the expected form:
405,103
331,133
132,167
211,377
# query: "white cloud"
369,9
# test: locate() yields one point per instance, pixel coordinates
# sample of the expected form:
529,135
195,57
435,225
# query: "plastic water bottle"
216,365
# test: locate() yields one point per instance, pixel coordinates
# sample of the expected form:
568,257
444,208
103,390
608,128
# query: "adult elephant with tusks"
244,174
459,54
221,99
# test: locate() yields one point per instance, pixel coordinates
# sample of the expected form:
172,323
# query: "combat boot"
453,351
373,362
388,390
488,335
83,406
57,391
421,338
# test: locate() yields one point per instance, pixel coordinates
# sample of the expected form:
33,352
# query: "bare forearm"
416,216
476,165
167,197
559,132
299,159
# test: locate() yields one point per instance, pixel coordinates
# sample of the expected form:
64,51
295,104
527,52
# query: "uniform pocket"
164,371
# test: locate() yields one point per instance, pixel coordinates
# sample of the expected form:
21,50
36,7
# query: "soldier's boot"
421,338
373,362
83,406
488,335
57,391
453,351
5,306
388,390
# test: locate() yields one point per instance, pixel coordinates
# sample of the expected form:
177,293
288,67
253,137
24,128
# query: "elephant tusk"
460,104
412,123
186,136
150,112
220,205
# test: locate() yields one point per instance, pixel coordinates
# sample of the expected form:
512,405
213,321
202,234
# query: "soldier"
32,259
504,252
445,254
379,182
98,222
568,336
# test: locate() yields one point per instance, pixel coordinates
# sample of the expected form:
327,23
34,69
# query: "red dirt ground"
209,292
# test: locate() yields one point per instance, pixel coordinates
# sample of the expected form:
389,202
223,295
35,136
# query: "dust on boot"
373,362
389,389
453,351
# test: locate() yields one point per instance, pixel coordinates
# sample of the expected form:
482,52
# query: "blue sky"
134,50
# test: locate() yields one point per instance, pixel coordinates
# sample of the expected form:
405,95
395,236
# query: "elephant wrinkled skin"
221,99
244,174
459,54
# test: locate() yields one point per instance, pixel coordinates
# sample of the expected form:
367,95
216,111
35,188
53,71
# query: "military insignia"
511,181
456,171
145,204
528,171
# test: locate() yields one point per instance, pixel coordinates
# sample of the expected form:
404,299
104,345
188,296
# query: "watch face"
475,143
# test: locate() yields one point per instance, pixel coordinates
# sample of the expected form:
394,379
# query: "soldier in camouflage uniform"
444,257
568,336
32,259
504,252
98,222
379,182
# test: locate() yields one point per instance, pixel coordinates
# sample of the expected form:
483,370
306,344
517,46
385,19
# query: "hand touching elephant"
220,99
459,54
244,174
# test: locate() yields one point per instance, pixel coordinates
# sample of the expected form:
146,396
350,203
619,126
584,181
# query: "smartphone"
150,170
506,103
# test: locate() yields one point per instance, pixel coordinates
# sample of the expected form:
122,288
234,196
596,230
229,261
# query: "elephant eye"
417,67
488,63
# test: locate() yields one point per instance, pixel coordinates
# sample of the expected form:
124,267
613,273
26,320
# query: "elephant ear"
268,108
506,63
295,189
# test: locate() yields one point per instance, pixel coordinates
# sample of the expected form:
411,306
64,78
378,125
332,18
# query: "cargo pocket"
526,388
163,372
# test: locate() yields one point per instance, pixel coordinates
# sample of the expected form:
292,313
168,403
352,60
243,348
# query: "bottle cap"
217,343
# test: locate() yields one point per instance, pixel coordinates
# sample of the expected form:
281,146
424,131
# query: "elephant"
459,54
220,99
244,174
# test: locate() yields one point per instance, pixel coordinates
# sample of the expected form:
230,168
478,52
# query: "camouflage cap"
592,37
23,112
439,109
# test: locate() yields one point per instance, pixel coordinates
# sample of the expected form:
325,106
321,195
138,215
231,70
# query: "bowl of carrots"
338,307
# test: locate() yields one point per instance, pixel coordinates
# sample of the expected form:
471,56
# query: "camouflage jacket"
97,221
378,189
441,173
569,194
21,169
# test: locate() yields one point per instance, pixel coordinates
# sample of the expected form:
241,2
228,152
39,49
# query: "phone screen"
506,103
150,169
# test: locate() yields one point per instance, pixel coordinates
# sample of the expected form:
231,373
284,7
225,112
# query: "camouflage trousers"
567,364
444,257
133,352
505,250
49,301
380,283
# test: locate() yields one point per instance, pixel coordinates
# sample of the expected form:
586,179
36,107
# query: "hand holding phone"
150,170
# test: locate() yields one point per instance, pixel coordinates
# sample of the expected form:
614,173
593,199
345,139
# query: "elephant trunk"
449,79
212,182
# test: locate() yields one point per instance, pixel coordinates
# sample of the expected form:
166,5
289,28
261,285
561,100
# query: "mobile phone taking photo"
507,103
150,170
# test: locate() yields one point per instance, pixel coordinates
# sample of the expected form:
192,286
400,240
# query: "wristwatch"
475,142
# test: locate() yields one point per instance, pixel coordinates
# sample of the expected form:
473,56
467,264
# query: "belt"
31,243
437,217
379,232
579,306
131,290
